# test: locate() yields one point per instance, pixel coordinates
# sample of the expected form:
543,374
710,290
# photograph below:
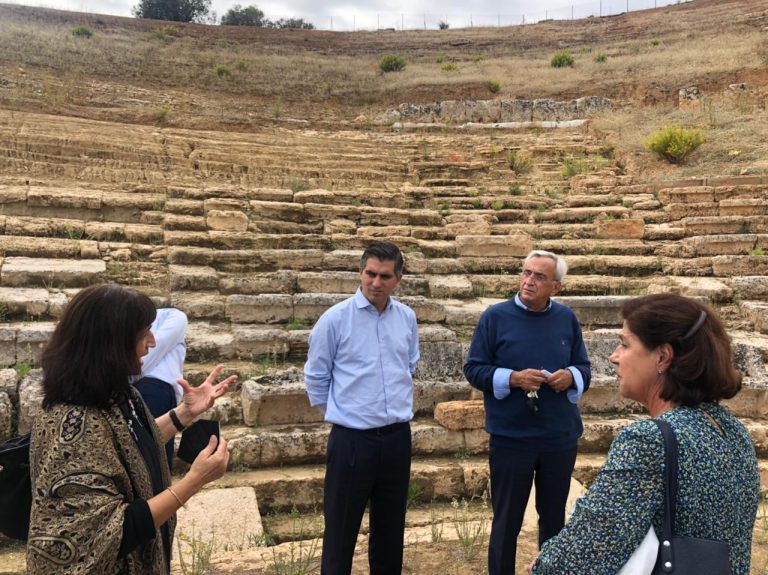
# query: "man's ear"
557,286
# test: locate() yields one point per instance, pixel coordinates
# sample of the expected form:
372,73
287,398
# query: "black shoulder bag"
684,555
15,487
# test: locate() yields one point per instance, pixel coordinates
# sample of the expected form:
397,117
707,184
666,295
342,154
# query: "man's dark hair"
385,252
702,365
92,351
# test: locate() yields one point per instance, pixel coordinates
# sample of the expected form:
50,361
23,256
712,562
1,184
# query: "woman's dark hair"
702,367
92,351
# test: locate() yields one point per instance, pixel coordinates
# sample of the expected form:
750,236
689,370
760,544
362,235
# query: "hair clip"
696,326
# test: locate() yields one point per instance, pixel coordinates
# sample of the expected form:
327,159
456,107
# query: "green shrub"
757,252
82,31
573,166
449,67
520,162
493,86
223,71
674,143
391,63
497,205
515,190
165,33
655,42
562,59
600,58
440,59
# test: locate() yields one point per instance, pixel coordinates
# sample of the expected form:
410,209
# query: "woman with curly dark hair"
102,498
674,357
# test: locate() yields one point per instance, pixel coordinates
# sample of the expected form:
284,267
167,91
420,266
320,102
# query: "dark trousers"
160,399
366,466
513,471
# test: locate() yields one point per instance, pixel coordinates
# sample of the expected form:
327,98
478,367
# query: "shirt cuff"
574,395
501,382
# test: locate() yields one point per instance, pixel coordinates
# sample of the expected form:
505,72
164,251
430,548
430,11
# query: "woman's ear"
666,353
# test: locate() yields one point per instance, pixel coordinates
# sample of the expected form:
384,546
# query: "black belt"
384,430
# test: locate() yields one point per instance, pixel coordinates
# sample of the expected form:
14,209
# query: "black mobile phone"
195,438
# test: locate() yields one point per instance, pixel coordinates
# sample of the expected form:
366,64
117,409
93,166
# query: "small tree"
443,25
674,143
243,16
174,10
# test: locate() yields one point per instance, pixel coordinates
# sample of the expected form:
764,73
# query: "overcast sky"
371,14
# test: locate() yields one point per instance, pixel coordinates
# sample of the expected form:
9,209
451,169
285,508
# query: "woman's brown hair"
702,366
92,352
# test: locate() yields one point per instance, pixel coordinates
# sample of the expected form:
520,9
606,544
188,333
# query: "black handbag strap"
670,493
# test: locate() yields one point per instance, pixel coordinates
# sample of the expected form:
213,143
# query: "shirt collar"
520,303
362,302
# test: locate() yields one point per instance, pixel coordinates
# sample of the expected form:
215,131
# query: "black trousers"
513,471
366,466
160,399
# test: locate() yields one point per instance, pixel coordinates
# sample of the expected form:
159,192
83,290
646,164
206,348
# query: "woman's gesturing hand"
198,399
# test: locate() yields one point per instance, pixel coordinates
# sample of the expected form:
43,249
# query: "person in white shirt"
163,365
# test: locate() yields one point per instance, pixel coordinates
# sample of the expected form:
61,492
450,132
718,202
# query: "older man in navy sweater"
528,358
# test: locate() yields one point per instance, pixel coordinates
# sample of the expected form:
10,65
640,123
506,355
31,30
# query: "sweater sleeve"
479,367
611,520
579,357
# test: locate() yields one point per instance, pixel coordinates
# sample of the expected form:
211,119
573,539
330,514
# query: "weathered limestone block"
620,229
477,477
436,249
200,305
9,383
587,106
7,345
187,239
13,194
214,515
750,287
328,282
431,439
690,195
440,361
383,217
339,226
426,310
713,225
26,301
464,313
706,289
31,339
30,400
191,256
63,198
280,211
143,234
690,98
271,282
438,481
516,110
184,207
264,308
475,228
227,220
188,222
732,265
208,343
757,312
256,341
225,204
726,244
551,110
6,417
442,287
744,207
427,394
383,231
475,441
35,226
21,271
595,310
459,415
310,306
273,448
424,218
270,403
678,211
305,259
513,245
192,278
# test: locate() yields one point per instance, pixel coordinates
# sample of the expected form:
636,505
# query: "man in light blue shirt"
362,355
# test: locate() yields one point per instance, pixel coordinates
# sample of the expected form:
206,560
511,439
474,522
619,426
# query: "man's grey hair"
561,267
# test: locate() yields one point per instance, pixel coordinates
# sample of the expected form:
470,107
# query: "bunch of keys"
533,396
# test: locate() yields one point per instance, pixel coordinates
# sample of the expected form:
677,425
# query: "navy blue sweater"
512,337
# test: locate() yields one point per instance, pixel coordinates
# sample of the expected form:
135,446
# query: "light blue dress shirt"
360,363
502,374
